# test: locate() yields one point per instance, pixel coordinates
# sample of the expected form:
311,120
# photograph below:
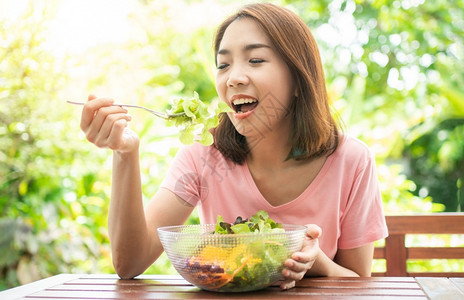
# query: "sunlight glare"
83,24
76,25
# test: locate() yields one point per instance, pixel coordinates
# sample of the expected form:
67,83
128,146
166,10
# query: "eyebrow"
248,47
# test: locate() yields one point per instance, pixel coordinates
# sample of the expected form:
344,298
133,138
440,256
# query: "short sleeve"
182,177
363,220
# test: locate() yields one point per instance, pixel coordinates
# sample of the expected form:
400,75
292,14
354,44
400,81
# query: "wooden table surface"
79,286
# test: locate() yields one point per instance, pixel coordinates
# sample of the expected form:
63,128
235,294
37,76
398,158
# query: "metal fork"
156,113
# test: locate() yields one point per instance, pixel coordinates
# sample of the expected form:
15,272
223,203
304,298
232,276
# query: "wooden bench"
396,253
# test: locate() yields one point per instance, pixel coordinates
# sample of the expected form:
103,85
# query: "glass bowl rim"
289,229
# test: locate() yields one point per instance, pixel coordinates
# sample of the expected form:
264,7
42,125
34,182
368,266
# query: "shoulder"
353,151
351,144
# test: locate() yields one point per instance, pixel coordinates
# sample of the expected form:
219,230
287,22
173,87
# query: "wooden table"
78,286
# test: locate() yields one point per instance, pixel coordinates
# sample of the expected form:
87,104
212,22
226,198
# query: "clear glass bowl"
229,262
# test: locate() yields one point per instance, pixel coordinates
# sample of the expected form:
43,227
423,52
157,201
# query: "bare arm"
134,241
359,260
348,262
130,240
311,261
133,232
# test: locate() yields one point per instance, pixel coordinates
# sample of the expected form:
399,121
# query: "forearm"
129,237
324,266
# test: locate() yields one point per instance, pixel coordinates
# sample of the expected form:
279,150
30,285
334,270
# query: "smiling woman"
291,49
250,69
174,59
292,160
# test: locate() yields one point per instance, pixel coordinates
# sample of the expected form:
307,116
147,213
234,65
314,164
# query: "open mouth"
244,105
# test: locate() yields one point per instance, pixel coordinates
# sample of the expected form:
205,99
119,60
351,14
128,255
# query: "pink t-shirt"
344,198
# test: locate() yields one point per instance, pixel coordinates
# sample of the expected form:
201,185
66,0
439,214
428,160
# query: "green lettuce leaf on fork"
198,120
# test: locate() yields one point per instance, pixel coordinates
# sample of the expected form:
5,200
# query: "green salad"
240,264
258,223
196,123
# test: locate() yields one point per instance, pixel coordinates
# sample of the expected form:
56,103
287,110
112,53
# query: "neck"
270,152
266,153
270,149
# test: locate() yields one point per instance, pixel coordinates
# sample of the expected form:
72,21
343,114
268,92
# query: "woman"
280,151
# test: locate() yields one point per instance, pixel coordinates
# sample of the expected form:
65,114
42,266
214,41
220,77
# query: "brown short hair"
315,132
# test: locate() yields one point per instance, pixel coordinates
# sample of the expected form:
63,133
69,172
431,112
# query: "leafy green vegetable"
262,257
242,266
195,125
258,223
267,258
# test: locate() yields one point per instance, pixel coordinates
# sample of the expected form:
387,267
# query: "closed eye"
222,66
256,61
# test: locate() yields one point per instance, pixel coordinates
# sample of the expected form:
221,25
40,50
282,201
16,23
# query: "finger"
104,114
304,256
108,124
90,108
287,284
313,231
114,120
292,275
107,127
115,140
298,266
91,97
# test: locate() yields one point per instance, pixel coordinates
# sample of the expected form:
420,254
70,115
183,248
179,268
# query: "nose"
237,77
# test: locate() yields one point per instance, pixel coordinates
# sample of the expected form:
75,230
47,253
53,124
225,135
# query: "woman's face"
254,80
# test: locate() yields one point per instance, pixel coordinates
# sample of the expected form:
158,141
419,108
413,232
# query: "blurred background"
394,76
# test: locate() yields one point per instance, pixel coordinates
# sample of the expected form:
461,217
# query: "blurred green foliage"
52,196
392,70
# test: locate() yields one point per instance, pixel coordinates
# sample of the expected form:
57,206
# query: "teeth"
243,101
